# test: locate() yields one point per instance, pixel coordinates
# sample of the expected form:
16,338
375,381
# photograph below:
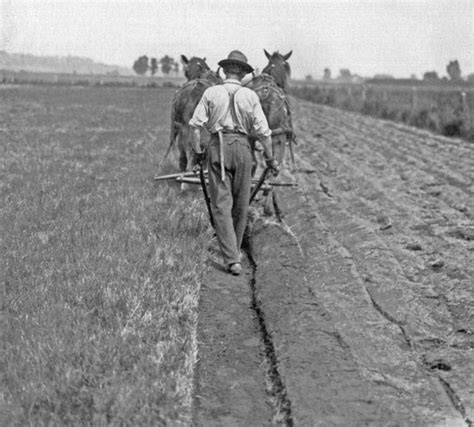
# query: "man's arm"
200,117
198,121
263,132
196,139
267,153
199,155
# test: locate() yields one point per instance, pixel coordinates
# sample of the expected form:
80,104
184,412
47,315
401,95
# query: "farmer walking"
231,113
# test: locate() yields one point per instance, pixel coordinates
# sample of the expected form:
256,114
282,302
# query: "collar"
233,81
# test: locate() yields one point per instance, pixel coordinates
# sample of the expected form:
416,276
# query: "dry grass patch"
102,267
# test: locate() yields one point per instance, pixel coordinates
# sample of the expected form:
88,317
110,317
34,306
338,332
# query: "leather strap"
232,109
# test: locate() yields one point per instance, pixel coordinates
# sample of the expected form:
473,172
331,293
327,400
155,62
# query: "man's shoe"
235,268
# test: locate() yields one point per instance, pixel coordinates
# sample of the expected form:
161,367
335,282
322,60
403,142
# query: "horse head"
278,68
195,67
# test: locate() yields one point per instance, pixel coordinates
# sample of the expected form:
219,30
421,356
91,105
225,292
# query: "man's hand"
274,166
198,160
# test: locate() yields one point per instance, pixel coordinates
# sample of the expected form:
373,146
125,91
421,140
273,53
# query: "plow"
260,184
192,178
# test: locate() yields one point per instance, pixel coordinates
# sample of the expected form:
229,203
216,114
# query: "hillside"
57,64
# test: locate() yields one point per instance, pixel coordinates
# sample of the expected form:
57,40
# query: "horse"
199,77
278,68
184,103
271,86
194,68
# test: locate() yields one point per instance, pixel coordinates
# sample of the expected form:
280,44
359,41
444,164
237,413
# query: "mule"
185,101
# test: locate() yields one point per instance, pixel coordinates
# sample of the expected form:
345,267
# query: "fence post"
414,99
465,111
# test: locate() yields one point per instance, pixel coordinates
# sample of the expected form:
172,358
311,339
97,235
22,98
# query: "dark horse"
278,68
185,100
194,68
271,87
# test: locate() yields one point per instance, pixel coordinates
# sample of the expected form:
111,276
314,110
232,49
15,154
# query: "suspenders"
232,109
234,128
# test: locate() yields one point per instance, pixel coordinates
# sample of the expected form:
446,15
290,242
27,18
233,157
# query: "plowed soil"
357,308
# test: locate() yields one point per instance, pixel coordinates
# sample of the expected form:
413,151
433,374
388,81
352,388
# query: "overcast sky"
398,37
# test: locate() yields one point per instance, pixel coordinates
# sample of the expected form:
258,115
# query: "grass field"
101,265
444,109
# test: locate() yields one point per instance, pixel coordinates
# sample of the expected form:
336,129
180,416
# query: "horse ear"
184,59
267,54
285,57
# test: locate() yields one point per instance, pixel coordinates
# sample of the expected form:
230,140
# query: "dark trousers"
230,198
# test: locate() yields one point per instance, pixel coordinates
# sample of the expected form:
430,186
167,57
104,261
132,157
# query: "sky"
396,37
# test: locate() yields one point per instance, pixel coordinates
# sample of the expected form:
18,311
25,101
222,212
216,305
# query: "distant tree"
344,74
413,77
166,64
140,66
327,74
308,77
176,67
153,66
454,70
431,76
470,78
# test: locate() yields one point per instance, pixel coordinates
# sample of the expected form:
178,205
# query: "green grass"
101,265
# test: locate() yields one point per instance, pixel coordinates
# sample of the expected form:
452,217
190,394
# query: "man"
231,113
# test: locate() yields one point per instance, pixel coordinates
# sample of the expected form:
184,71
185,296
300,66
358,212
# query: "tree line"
453,70
143,64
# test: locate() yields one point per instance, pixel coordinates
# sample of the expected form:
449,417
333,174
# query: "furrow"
456,401
276,387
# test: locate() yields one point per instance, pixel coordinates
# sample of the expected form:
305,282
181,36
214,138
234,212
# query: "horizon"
398,38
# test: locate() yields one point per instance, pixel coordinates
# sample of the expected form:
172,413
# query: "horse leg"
276,206
189,153
183,157
292,154
258,159
267,205
187,158
173,133
278,148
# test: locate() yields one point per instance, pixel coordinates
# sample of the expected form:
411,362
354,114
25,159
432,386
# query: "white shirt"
214,114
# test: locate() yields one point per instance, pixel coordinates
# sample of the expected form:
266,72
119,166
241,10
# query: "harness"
267,90
233,113
231,108
234,130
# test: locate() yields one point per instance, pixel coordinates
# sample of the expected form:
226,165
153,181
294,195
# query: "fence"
444,109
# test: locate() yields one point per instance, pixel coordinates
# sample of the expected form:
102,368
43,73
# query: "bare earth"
358,309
